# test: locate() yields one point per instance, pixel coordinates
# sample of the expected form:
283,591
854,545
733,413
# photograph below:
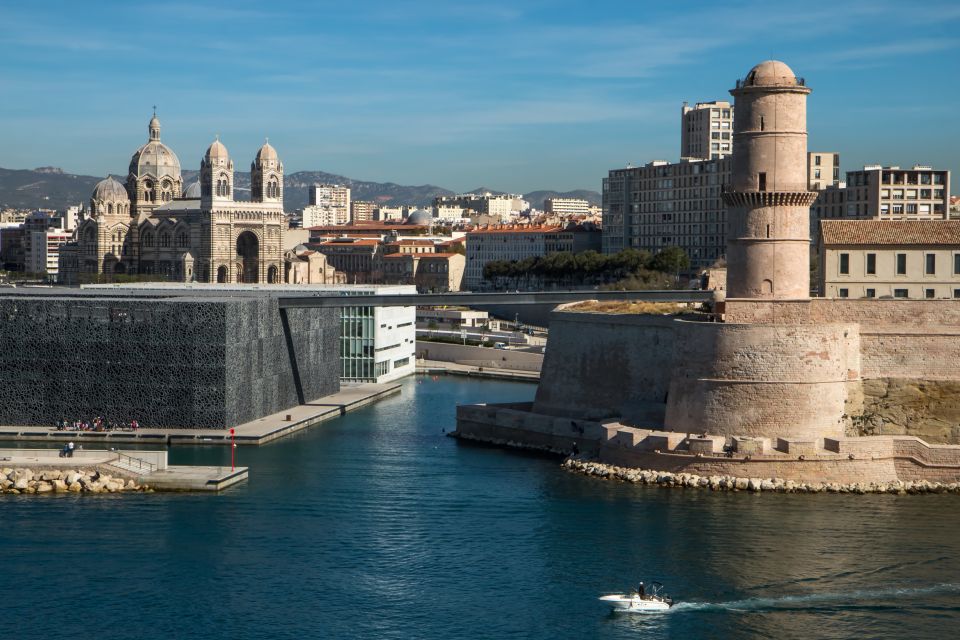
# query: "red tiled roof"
352,243
517,229
443,256
890,232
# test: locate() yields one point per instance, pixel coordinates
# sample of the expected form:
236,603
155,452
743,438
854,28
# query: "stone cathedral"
150,225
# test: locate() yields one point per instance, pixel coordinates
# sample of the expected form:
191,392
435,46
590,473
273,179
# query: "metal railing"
130,463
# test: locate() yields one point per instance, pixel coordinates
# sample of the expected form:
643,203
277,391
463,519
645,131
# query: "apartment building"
664,204
706,130
361,210
497,205
823,170
892,193
517,242
44,252
563,207
329,204
890,258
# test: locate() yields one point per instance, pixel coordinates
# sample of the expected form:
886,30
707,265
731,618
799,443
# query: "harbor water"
377,525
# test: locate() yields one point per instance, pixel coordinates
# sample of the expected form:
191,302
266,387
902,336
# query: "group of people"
68,449
97,424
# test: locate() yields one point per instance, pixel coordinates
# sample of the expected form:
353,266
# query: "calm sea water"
378,526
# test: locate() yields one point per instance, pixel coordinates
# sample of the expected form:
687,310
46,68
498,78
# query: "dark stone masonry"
170,362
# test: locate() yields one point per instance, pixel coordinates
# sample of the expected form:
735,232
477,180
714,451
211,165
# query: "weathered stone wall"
762,380
165,362
600,365
910,339
927,409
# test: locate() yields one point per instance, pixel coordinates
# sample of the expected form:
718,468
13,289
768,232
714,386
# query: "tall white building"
329,205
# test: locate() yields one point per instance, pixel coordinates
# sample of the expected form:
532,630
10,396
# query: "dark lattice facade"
170,363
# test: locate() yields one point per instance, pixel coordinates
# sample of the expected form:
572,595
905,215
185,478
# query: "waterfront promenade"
255,432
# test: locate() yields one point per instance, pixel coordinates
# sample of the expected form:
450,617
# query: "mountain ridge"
52,188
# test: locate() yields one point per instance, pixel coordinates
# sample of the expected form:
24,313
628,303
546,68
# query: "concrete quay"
136,468
255,432
434,367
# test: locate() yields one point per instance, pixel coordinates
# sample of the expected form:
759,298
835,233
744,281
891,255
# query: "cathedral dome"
155,158
193,191
110,190
266,152
420,217
217,151
771,73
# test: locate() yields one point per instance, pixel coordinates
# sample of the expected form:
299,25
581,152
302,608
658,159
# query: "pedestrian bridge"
466,299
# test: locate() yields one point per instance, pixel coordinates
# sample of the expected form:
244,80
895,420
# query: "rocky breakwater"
23,480
757,485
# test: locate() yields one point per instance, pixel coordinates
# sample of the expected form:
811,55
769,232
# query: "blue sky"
514,95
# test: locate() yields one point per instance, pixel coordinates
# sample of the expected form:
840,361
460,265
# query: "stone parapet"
877,459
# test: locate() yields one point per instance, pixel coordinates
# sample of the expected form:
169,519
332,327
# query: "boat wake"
782,603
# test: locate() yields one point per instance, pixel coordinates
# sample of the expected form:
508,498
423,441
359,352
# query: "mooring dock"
144,467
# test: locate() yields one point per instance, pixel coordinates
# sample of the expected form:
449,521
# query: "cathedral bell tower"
768,200
216,175
266,176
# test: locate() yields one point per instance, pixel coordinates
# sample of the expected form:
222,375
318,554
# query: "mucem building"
170,361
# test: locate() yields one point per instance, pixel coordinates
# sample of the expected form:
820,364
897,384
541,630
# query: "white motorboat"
645,600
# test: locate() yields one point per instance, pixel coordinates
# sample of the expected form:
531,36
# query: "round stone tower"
768,199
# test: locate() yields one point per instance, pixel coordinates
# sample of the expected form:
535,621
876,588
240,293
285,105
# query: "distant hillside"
43,188
51,188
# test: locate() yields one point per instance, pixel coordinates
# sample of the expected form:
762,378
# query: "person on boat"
642,591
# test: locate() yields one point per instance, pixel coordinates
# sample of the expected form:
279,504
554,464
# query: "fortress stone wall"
606,365
785,380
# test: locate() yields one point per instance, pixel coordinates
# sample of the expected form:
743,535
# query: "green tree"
670,260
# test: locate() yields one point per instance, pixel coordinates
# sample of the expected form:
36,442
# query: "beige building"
150,227
430,272
706,130
890,258
665,204
361,210
306,266
892,193
823,170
